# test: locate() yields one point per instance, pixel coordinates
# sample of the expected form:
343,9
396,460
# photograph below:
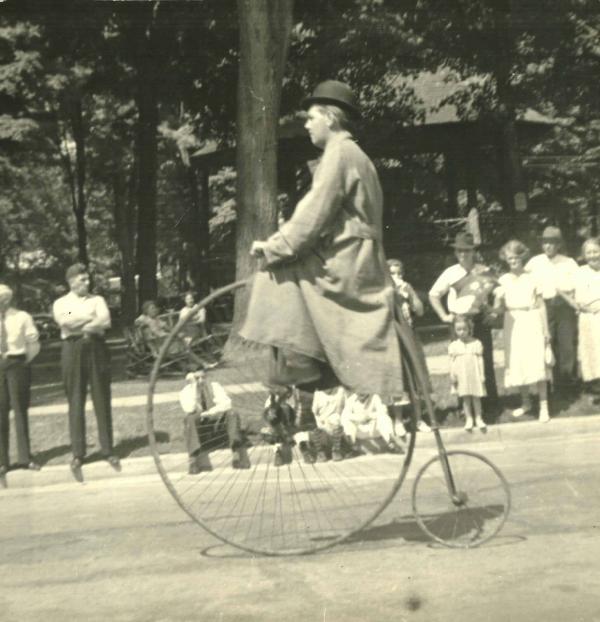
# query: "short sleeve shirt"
447,280
553,274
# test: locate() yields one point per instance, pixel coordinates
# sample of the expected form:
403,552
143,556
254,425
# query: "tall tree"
265,29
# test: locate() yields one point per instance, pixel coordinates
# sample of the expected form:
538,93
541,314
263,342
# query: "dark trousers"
87,360
212,432
562,325
15,383
289,368
484,334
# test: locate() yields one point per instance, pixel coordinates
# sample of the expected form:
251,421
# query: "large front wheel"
460,499
281,503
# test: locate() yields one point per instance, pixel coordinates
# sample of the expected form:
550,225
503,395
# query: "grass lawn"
50,438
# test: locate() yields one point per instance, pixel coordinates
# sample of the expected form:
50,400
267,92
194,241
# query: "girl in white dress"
527,354
466,371
586,301
366,416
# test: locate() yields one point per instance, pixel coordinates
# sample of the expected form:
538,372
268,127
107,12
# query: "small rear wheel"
475,513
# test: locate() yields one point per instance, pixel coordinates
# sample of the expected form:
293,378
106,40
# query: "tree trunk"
195,230
80,206
147,157
124,215
515,197
265,28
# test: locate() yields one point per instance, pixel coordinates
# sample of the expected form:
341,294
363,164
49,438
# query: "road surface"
120,549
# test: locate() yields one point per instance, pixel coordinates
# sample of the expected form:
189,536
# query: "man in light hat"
19,345
333,323
468,285
83,319
555,273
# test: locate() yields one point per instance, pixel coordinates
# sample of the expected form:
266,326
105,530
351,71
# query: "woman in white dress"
586,301
526,338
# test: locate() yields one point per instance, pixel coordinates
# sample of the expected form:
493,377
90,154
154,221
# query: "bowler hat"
553,234
464,242
332,92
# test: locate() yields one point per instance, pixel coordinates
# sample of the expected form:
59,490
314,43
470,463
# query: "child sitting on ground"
210,423
366,416
327,408
280,414
466,371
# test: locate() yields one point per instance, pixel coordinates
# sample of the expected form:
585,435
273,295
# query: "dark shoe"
395,448
321,457
320,441
34,466
114,462
202,460
240,458
76,469
307,453
3,472
283,455
337,442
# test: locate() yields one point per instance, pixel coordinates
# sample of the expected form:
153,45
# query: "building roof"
439,130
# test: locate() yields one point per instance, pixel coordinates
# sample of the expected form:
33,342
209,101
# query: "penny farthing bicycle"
275,507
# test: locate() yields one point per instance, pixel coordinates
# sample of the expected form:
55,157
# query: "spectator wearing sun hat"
468,285
556,273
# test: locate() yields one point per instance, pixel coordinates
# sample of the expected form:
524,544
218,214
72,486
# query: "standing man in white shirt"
19,345
555,273
468,285
83,319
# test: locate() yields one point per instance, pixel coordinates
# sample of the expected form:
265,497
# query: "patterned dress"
587,294
466,367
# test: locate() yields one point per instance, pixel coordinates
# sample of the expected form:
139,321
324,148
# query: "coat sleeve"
314,213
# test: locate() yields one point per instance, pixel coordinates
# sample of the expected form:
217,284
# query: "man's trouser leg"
4,420
74,370
18,380
566,342
484,334
99,374
207,433
234,429
192,431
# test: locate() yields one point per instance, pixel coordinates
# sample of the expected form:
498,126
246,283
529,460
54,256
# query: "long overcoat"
326,291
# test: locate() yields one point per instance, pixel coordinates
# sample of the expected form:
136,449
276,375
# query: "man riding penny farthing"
323,309
327,272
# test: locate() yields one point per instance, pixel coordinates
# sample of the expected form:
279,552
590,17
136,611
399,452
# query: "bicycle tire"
459,523
338,501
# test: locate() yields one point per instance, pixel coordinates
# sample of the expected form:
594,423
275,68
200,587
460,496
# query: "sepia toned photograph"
299,310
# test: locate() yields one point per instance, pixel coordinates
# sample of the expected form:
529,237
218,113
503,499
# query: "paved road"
120,549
